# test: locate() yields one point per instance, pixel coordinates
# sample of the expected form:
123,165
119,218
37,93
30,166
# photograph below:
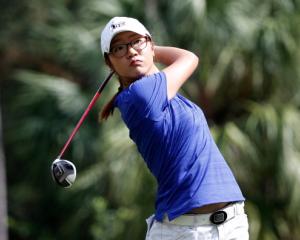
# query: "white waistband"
231,210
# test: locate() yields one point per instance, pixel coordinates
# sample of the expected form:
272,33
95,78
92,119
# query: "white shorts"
199,226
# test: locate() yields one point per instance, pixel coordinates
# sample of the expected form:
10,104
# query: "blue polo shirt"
174,139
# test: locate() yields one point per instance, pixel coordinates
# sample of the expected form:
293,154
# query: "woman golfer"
197,195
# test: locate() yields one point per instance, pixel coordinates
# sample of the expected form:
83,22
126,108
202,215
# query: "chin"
135,74
139,73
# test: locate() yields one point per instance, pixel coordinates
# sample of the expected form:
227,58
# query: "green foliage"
269,148
247,85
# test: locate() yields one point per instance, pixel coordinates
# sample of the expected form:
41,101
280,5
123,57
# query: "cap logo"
117,25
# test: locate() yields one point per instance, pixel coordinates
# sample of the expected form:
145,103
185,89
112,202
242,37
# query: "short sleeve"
149,95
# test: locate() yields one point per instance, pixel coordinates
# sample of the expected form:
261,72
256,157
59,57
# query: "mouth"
135,63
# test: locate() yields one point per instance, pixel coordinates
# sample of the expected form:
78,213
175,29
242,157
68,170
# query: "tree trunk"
3,201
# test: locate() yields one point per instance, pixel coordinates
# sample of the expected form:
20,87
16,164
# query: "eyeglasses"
122,49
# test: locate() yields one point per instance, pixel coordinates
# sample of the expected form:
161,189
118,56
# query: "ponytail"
110,106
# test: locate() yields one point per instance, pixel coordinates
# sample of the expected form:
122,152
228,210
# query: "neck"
126,81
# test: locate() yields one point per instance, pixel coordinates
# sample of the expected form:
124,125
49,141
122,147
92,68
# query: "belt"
217,217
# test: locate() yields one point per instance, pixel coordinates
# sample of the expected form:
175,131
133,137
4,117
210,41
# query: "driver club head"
63,172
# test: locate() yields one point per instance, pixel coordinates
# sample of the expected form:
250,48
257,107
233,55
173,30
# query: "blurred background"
247,84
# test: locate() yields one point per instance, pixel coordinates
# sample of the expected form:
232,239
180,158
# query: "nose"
131,51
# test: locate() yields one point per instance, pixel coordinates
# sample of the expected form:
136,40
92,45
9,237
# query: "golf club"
63,171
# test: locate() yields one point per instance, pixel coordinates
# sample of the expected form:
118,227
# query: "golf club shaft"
91,104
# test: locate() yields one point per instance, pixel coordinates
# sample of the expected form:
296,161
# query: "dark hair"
110,106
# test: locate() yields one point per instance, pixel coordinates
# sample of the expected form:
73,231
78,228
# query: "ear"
152,48
108,62
152,45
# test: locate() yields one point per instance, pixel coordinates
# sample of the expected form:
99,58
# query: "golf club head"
63,172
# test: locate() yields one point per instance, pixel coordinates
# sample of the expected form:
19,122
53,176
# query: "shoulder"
147,96
150,79
147,85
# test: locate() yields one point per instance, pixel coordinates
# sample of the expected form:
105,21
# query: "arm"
180,64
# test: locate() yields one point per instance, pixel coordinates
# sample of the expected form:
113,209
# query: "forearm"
180,64
169,55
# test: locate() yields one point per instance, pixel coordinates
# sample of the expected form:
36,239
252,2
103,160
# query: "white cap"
117,25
